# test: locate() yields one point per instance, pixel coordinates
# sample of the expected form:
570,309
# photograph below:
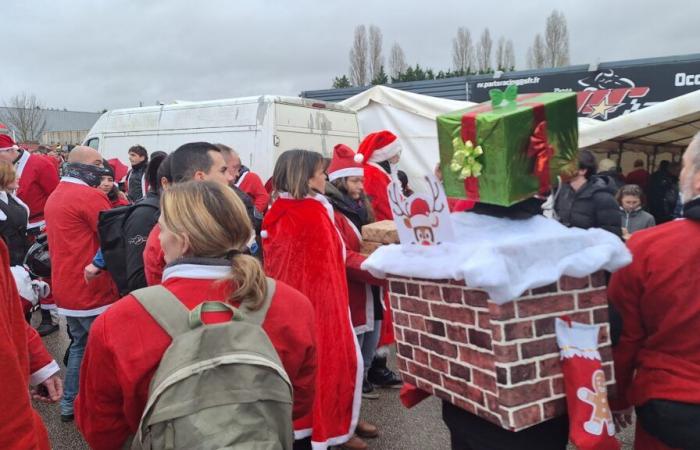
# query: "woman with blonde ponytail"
204,231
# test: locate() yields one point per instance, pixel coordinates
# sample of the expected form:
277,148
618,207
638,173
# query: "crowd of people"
205,248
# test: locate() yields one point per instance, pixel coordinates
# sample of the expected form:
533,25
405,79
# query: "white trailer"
258,128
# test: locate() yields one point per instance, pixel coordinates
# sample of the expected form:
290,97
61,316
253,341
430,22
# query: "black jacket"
662,195
137,227
592,206
134,179
13,229
356,212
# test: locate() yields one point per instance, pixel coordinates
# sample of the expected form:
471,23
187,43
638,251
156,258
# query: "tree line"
469,56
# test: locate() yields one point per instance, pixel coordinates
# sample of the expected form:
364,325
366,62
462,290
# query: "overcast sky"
94,54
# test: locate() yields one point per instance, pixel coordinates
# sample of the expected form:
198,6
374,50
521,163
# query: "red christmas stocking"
591,424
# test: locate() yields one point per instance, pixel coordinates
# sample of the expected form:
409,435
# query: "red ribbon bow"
540,149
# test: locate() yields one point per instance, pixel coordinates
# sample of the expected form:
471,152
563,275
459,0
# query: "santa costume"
37,178
376,148
126,345
250,183
72,213
21,353
303,248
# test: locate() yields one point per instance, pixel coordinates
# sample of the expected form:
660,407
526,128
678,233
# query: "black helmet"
37,260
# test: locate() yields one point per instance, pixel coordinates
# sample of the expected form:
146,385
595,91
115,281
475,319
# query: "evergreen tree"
341,82
381,77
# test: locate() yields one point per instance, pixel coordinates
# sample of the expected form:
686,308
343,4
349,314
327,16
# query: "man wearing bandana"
71,214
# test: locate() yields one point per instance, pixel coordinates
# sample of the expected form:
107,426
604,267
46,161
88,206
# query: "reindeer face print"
424,235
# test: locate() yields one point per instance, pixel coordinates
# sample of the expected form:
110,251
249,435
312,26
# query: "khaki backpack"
219,386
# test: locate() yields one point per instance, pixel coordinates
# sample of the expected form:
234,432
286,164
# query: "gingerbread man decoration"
598,399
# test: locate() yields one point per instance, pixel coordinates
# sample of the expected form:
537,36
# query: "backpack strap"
165,309
258,316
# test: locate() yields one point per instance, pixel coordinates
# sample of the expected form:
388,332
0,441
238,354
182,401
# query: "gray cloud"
89,55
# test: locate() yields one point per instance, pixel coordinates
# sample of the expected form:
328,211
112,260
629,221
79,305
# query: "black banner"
606,93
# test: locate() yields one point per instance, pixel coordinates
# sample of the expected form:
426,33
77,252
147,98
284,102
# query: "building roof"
57,120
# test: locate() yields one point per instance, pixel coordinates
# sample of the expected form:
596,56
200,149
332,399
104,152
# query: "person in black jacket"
587,201
138,157
663,192
142,219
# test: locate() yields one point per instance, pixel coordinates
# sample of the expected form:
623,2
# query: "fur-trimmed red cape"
303,249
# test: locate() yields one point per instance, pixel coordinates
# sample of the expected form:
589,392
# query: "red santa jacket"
153,257
302,247
359,281
251,184
20,425
640,177
376,182
71,225
37,178
125,347
658,296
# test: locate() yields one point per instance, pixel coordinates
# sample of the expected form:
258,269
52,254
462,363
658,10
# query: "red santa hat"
420,213
379,146
6,140
345,163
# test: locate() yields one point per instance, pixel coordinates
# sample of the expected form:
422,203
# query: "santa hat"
345,163
6,140
420,213
379,146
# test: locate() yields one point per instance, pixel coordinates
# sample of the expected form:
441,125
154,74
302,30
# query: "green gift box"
510,149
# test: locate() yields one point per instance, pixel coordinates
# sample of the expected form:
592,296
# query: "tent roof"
422,105
668,127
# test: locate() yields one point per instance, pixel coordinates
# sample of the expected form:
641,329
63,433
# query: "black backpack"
113,242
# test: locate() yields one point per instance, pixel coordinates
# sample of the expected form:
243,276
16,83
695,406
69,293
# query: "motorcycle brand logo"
606,93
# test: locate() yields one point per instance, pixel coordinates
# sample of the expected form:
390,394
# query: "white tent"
666,127
411,117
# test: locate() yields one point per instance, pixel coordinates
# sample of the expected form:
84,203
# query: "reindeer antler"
435,194
397,199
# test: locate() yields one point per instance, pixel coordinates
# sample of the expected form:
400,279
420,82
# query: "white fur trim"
74,181
386,152
263,234
302,434
196,272
579,339
38,224
358,158
347,172
83,312
48,306
44,373
19,166
241,178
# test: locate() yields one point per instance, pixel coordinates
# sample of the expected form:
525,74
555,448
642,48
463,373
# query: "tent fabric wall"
411,117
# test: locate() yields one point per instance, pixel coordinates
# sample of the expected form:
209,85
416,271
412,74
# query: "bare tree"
483,51
509,57
397,61
463,51
556,38
25,114
376,60
536,53
358,57
501,54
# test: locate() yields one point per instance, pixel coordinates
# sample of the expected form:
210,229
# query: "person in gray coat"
634,218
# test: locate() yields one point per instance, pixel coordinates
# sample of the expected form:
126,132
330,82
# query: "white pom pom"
358,158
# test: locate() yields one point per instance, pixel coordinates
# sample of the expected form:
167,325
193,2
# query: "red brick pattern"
500,362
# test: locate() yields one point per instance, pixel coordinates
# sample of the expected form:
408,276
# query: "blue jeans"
78,327
368,344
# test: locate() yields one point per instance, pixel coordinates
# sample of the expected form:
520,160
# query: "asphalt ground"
418,428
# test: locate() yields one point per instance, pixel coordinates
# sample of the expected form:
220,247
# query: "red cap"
5,138
379,146
345,163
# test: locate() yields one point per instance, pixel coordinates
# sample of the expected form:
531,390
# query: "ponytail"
250,284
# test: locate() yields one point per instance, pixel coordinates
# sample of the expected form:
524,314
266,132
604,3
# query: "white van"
258,128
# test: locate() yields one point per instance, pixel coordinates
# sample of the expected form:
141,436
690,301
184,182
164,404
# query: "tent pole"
653,160
619,156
